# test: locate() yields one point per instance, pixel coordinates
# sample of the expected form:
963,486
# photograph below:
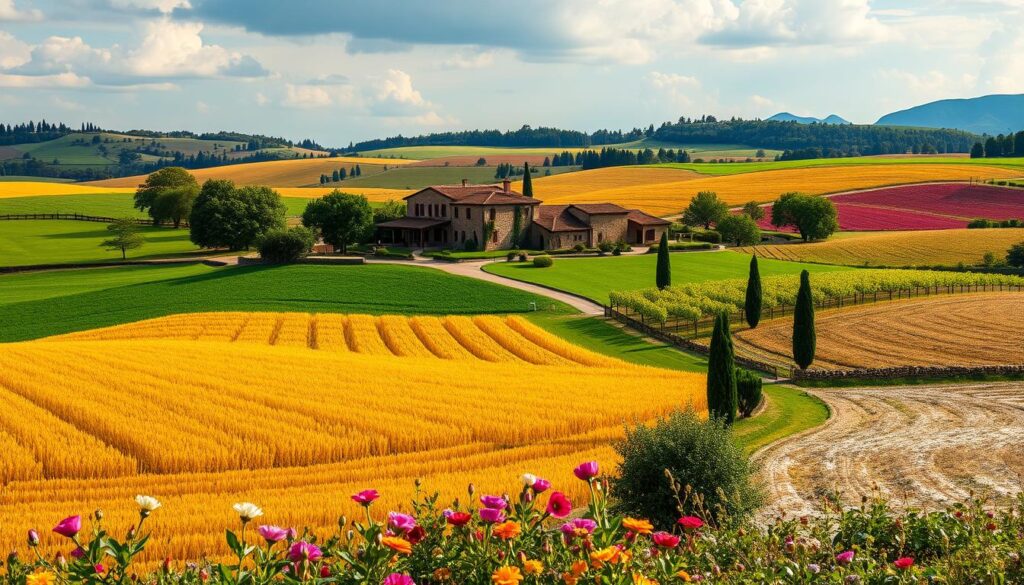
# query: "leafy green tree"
705,209
1015,255
721,387
174,204
341,219
285,245
225,216
814,217
804,336
739,229
160,181
527,180
388,211
749,390
978,150
124,236
754,211
663,274
755,296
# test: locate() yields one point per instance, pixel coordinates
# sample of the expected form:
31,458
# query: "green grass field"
22,178
751,167
594,278
430,152
27,242
109,298
106,205
787,411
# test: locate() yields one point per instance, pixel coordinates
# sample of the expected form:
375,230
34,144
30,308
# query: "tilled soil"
918,446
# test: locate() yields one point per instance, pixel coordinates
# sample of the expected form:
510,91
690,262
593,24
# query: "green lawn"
22,178
26,242
788,410
374,289
594,278
430,152
751,167
107,205
35,286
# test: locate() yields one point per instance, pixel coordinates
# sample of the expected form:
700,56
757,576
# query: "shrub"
471,245
543,261
617,251
1015,255
579,248
605,247
710,474
522,256
510,256
282,246
748,388
712,237
382,251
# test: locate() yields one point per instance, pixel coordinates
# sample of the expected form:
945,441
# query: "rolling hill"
990,114
787,117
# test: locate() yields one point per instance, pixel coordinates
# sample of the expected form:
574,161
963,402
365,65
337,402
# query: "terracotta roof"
601,209
414,223
480,195
637,216
556,218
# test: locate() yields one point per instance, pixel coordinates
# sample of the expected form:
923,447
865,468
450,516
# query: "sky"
339,71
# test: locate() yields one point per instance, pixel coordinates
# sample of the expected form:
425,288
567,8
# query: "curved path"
919,446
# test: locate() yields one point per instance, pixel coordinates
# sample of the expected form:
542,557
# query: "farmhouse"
494,217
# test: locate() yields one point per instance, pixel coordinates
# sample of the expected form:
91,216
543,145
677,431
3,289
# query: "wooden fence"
81,217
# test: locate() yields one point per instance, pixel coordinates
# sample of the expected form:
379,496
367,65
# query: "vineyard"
939,331
899,249
202,410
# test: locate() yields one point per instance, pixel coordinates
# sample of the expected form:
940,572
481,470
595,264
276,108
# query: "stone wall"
909,372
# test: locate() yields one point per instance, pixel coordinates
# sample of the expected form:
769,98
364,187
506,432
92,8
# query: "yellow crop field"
295,412
936,331
276,173
899,249
10,189
670,197
372,194
572,184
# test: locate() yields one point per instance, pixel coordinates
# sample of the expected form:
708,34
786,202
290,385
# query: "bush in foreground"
538,536
543,261
283,246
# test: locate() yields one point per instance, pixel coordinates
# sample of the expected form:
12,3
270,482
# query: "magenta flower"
493,502
845,558
33,537
365,497
587,470
578,527
69,526
665,540
304,551
903,563
559,506
541,485
272,534
292,534
398,579
492,515
690,522
399,521
78,553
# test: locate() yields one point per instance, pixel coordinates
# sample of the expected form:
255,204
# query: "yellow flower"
397,544
637,526
683,575
608,555
639,579
45,578
533,567
507,576
507,530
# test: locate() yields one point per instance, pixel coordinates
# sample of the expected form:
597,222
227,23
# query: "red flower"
416,534
903,563
559,506
691,522
325,571
458,518
665,540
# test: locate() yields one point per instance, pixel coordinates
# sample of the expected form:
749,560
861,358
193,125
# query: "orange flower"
608,555
507,530
533,567
639,579
507,576
578,568
683,575
442,574
637,526
397,544
569,579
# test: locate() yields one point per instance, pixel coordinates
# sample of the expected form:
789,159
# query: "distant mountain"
990,114
787,117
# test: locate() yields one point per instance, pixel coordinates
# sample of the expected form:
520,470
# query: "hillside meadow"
28,242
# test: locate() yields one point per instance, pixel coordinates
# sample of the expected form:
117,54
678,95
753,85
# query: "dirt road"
923,446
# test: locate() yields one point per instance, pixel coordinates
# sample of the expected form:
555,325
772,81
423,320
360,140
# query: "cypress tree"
664,270
752,307
722,395
804,339
527,180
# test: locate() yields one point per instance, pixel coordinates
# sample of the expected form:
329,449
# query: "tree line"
341,174
614,157
525,136
32,132
999,146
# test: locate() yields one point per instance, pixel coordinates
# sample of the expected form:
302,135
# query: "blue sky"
346,70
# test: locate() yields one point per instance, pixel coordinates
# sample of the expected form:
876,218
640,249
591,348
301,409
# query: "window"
444,211
469,215
463,236
455,211
600,237
494,236
492,214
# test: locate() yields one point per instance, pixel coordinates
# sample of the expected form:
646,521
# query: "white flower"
529,479
147,503
247,511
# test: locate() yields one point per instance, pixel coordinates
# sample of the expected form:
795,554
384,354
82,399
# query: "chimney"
506,185
465,182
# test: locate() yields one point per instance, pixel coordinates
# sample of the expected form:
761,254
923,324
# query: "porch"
414,232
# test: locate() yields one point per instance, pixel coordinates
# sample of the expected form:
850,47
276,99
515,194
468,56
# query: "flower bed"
538,537
960,200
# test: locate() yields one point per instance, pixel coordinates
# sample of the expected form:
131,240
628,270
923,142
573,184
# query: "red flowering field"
866,218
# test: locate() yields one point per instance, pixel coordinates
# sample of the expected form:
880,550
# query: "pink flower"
292,534
398,579
399,521
493,502
559,506
365,497
903,563
587,470
690,522
457,518
845,558
272,534
541,485
492,515
33,537
665,540
69,526
304,551
99,569
578,527
78,553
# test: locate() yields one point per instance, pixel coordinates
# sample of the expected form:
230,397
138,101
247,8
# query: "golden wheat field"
670,197
277,173
899,249
10,189
295,412
949,330
638,178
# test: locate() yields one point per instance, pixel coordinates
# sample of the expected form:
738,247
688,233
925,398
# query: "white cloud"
12,51
261,99
673,81
57,81
469,60
759,23
397,88
10,12
65,104
163,6
310,96
202,107
175,49
760,102
928,85
680,91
